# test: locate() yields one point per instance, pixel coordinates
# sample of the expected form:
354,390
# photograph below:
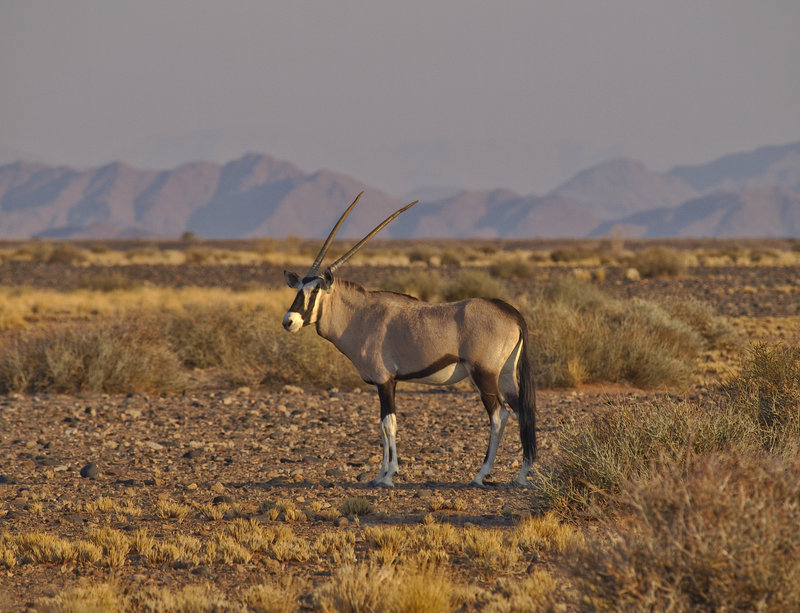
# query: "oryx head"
312,287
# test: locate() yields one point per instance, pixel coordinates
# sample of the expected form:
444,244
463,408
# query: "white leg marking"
522,477
498,424
389,465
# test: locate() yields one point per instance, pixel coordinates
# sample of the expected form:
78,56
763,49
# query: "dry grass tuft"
546,533
114,545
369,588
169,509
357,505
489,549
283,597
86,596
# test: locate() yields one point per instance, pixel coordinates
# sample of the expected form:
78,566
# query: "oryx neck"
339,307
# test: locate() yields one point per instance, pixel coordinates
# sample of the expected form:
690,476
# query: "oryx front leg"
388,428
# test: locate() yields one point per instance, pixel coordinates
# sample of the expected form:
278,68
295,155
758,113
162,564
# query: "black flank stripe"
438,365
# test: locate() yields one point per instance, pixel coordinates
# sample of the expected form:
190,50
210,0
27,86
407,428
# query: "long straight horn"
321,255
363,241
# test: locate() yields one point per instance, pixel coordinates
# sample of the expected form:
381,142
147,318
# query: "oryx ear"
292,279
327,279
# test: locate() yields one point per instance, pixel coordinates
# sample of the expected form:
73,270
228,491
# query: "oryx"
391,337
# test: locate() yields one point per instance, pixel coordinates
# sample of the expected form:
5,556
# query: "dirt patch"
315,449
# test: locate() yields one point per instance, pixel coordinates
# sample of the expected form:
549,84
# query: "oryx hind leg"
510,388
388,426
487,384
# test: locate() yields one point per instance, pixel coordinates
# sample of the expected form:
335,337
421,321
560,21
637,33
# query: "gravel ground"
313,447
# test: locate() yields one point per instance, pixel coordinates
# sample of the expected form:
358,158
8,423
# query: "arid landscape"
166,446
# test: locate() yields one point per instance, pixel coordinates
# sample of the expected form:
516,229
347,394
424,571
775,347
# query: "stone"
90,471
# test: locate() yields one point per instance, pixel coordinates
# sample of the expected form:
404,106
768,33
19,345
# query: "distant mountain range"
753,194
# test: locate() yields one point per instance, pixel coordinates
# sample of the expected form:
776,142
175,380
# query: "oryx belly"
453,373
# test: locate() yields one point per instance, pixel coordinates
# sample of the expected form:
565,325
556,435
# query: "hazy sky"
399,94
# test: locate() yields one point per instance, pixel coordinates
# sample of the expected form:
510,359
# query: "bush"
474,284
422,253
717,331
449,257
220,336
716,532
768,391
659,262
67,254
107,282
251,347
112,356
597,457
567,255
516,268
581,335
421,284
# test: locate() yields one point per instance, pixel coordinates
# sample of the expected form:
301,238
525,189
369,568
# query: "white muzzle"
292,321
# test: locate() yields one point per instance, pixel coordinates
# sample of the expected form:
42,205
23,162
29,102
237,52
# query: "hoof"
482,484
524,484
381,483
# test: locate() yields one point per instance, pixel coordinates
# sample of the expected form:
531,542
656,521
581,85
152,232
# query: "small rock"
201,571
191,486
292,389
193,453
334,472
341,522
154,446
90,471
363,477
222,498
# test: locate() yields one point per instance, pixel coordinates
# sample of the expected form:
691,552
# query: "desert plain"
240,481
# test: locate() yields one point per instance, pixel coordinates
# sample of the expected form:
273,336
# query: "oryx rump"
392,337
